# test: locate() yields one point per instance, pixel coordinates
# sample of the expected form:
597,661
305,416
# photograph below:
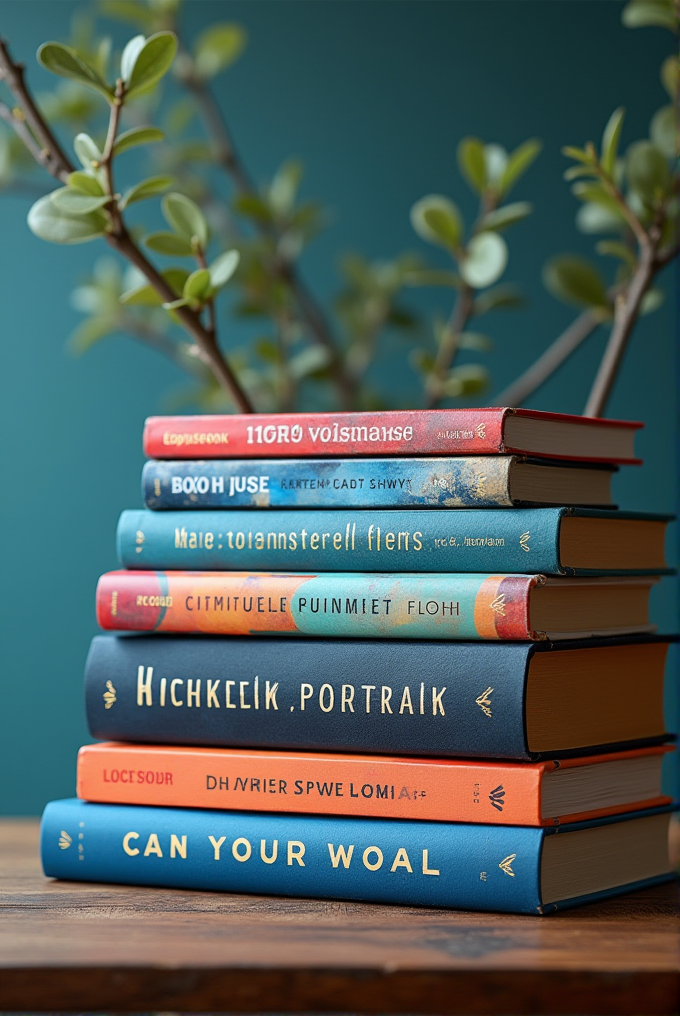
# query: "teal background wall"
374,97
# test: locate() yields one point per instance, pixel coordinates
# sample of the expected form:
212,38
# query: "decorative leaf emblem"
484,702
480,430
524,541
109,695
65,840
498,605
497,797
505,865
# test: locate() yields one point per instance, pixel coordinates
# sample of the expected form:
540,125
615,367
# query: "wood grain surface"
87,947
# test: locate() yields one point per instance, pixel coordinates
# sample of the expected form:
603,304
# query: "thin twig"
179,354
448,347
624,322
228,158
549,361
51,156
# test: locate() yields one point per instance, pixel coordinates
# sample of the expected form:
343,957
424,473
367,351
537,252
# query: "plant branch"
448,347
549,361
179,354
228,158
50,154
627,309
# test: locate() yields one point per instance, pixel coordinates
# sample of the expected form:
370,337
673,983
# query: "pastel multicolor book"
350,605
471,481
512,700
434,790
515,869
554,541
488,431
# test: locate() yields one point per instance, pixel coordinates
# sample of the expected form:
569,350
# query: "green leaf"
168,243
496,163
647,171
186,218
518,163
146,295
308,361
468,379
129,57
575,280
223,267
503,297
472,163
435,218
652,300
579,154
474,340
85,183
253,207
663,131
506,216
90,332
217,48
146,189
596,194
670,75
153,61
485,260
575,171
284,187
197,285
616,249
75,202
127,10
648,13
136,136
610,140
67,63
86,150
50,223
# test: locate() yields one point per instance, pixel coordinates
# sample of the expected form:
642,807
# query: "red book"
396,432
320,783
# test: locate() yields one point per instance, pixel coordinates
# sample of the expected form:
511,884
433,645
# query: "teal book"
515,869
552,541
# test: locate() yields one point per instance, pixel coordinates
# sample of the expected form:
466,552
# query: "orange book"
445,790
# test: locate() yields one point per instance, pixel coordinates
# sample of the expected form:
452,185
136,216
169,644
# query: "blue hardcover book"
438,864
397,482
553,541
477,699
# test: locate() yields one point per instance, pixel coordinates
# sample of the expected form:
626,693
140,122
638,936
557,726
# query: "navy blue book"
512,700
472,481
553,541
437,864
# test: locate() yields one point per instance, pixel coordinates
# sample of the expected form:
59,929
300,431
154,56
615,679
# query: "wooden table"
78,947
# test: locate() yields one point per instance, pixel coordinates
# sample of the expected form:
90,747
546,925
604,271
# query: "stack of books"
402,657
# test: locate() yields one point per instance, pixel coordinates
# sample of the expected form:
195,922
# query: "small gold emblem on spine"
65,840
480,430
499,604
484,702
109,695
156,486
505,865
139,540
524,541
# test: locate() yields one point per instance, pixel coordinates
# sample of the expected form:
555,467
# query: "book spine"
396,432
396,697
440,864
523,540
289,782
334,603
474,481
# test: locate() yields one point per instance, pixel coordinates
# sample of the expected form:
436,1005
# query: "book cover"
396,697
464,482
395,432
435,790
438,540
437,864
334,603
